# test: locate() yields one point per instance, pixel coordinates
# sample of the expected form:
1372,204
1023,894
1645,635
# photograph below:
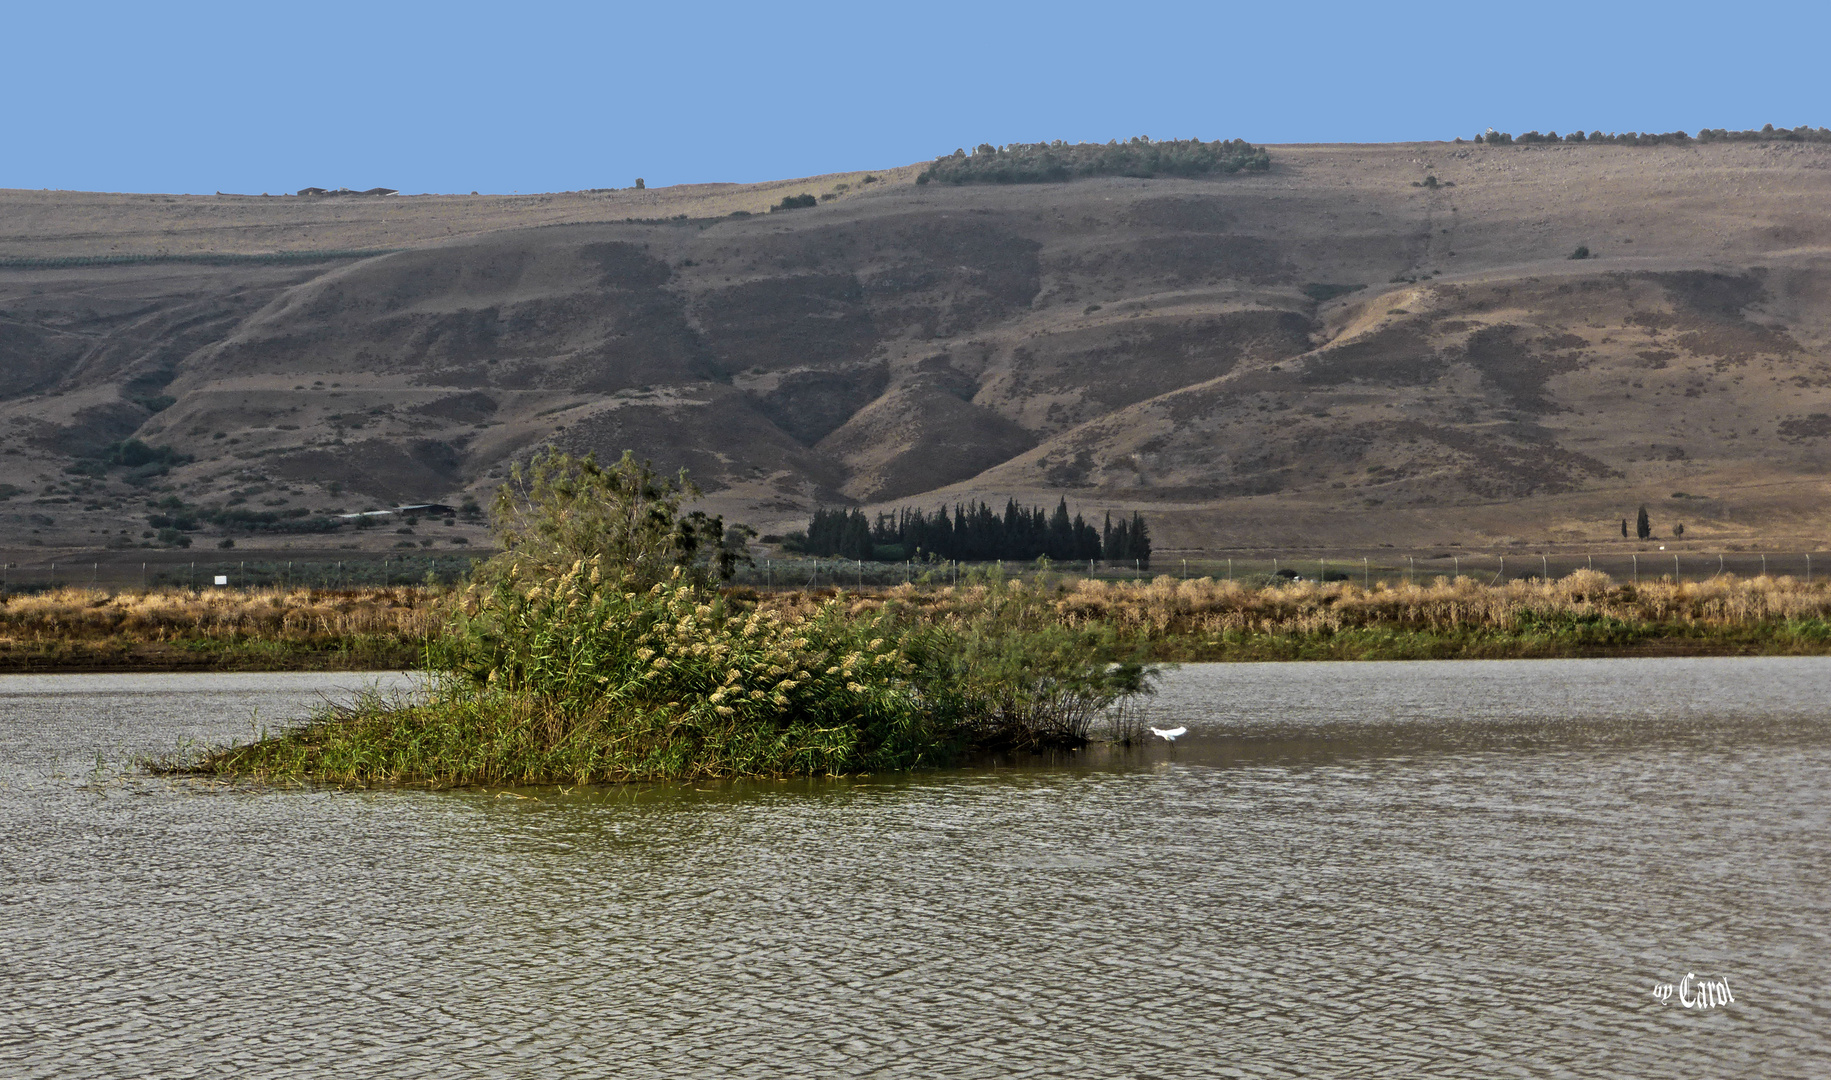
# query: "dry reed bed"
1166,607
297,615
1205,607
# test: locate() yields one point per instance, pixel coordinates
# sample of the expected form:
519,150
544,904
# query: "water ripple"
1345,870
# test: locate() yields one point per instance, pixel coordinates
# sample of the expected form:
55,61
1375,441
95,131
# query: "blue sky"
252,97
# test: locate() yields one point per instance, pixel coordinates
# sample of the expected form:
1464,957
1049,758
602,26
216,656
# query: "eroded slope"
1332,348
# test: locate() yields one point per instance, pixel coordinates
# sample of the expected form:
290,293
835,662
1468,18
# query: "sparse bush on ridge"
1769,133
1054,162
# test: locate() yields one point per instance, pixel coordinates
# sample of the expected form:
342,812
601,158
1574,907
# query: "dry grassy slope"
1127,342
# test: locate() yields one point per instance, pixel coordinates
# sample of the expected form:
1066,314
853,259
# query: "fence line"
771,573
205,573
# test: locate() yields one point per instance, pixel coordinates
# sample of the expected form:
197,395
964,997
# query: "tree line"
975,533
1054,162
1768,133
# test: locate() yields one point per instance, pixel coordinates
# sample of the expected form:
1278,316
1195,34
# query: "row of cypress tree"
976,533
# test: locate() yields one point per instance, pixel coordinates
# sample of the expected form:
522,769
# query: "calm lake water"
1409,870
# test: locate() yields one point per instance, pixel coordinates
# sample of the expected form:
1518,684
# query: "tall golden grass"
161,615
1191,614
1190,619
1205,606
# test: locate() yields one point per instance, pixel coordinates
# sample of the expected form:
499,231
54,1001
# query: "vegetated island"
597,647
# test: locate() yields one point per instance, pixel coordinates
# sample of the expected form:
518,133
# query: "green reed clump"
1012,673
628,663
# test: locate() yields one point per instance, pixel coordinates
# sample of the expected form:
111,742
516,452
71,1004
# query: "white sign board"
222,579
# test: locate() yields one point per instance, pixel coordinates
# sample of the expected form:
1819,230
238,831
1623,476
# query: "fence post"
1411,569
1366,574
1455,566
1636,559
1229,569
1502,572
1676,576
1544,568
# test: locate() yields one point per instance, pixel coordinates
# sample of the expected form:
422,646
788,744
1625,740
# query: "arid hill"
1340,352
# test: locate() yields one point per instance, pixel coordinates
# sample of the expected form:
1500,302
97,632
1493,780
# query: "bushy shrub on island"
599,647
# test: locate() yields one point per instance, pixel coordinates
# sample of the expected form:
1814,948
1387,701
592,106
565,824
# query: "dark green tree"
1643,527
1141,541
1061,532
857,542
1119,543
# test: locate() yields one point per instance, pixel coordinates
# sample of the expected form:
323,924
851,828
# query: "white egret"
1169,734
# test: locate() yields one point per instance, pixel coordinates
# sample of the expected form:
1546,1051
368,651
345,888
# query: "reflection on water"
1451,869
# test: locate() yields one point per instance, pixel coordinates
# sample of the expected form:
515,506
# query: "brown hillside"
1189,347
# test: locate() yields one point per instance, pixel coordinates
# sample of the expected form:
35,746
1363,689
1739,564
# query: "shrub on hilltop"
1769,133
1054,162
